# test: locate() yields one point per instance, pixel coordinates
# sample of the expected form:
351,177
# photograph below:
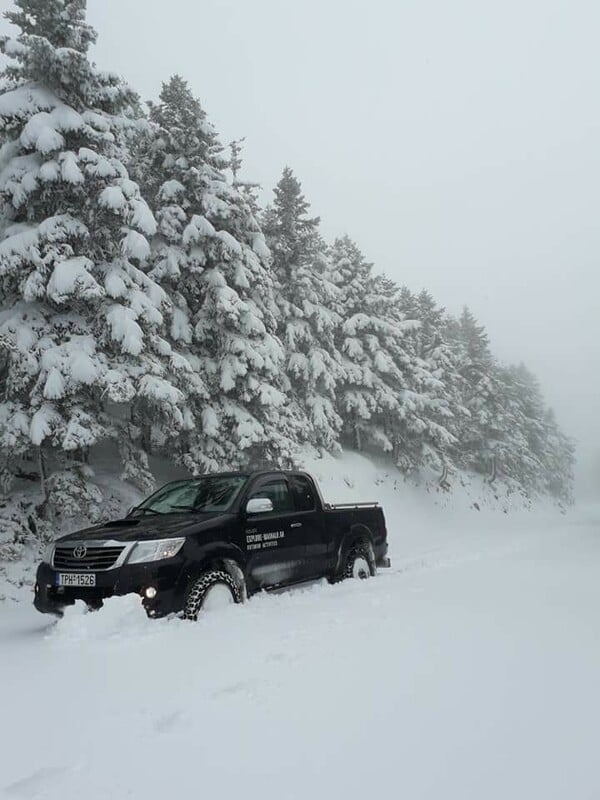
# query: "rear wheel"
359,563
213,590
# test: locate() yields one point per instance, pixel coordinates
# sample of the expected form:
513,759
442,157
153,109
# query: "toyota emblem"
79,551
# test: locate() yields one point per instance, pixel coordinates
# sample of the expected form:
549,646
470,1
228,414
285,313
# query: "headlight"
155,550
48,554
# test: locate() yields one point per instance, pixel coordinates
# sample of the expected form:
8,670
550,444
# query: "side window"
302,491
278,493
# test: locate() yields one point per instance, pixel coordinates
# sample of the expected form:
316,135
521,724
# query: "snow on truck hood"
132,529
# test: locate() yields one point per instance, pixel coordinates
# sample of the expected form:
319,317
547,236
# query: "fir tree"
211,256
307,319
248,189
437,380
424,430
482,430
361,395
384,401
295,236
536,453
559,460
83,359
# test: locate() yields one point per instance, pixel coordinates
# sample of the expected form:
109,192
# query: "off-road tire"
199,589
362,551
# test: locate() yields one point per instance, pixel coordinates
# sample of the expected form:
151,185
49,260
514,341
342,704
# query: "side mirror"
259,505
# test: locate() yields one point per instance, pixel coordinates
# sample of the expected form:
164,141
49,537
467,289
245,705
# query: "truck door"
309,523
275,549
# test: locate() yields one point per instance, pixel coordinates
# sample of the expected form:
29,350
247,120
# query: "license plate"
75,579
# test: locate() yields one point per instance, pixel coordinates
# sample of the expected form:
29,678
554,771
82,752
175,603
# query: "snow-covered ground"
469,670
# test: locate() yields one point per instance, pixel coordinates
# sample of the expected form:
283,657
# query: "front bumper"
164,576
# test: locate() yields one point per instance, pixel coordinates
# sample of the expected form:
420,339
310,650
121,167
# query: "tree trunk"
443,481
493,470
357,437
43,473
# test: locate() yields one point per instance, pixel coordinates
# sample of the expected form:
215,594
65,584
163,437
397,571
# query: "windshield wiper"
146,510
188,508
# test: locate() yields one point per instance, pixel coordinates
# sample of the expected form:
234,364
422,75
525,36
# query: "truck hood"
148,527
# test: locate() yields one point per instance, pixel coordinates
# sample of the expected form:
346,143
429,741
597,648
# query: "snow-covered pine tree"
521,450
558,461
421,433
483,431
82,355
211,256
248,189
494,438
363,395
307,321
436,380
509,434
380,403
535,452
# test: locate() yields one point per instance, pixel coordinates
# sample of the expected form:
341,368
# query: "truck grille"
94,558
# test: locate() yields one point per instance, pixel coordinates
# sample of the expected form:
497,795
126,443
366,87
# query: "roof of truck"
249,473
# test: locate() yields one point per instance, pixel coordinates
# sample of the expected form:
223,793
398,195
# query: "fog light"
150,592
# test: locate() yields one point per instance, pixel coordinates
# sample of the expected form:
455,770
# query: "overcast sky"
457,142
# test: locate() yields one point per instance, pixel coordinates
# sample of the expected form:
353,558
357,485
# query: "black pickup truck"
212,539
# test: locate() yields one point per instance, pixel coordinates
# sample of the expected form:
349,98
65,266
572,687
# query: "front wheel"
360,563
214,589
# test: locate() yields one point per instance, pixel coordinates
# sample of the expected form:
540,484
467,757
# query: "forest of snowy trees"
148,302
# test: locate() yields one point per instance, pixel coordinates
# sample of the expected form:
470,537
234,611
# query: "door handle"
296,525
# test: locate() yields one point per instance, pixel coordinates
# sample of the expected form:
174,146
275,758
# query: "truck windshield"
205,494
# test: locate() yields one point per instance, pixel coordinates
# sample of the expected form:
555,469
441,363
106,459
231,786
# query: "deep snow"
468,670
